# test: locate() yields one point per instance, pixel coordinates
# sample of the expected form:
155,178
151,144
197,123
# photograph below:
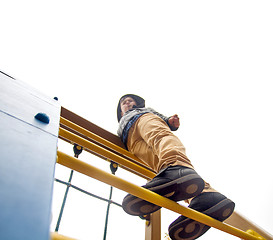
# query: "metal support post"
153,226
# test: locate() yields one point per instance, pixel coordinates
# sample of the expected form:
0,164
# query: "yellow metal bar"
147,195
252,232
99,139
57,236
105,153
239,221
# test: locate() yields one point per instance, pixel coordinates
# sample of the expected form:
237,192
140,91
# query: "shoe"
175,182
213,204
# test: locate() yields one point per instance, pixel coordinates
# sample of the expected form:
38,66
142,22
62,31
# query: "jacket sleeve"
166,119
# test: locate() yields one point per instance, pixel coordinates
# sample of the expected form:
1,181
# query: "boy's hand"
174,121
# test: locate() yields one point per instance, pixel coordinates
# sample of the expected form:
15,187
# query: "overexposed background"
210,62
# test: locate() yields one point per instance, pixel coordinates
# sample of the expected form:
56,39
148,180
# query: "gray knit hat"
139,101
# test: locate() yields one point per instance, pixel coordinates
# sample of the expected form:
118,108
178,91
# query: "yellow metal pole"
98,139
252,232
147,195
106,153
153,226
57,236
239,221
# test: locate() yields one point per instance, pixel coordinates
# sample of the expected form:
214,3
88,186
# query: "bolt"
42,117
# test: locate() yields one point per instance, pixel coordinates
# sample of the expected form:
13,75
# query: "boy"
148,135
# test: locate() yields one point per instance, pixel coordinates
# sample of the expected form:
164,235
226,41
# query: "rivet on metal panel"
42,117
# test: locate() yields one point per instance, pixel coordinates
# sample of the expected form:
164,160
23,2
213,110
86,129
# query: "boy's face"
127,104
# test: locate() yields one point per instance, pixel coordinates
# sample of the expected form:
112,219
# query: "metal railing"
76,130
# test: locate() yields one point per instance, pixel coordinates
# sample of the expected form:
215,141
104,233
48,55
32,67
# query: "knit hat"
139,101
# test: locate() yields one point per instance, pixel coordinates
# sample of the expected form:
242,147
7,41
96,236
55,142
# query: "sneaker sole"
189,229
177,190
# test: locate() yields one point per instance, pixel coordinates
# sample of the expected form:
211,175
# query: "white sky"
208,61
